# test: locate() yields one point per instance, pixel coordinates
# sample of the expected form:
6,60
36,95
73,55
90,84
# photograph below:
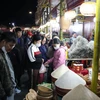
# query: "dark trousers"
49,71
3,98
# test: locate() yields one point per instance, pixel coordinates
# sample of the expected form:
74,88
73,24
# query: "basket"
62,92
44,98
44,94
53,79
44,91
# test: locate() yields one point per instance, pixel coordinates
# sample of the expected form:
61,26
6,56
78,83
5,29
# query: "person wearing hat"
28,39
59,56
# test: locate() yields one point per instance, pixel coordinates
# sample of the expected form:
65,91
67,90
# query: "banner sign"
73,3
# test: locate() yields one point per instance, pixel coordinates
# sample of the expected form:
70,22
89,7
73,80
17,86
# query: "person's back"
59,58
50,52
28,39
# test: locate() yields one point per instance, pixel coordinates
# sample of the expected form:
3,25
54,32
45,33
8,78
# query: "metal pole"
61,14
95,66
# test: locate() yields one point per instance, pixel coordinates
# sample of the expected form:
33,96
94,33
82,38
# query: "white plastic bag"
42,69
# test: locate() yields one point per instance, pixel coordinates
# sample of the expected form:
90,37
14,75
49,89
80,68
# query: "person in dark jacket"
17,56
21,47
28,39
20,39
43,49
6,85
34,60
7,82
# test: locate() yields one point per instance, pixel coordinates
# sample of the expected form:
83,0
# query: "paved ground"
21,95
24,88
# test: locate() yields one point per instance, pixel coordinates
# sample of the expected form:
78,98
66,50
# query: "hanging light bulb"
88,8
58,19
70,14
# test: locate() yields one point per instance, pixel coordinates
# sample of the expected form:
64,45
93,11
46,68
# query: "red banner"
73,3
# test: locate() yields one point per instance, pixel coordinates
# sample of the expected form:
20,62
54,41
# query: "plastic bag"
31,95
42,69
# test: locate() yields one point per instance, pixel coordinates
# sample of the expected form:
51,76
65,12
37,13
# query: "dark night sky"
17,11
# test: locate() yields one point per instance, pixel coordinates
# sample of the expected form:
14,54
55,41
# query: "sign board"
73,3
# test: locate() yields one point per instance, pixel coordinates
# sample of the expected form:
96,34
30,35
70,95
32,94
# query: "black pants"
50,70
3,98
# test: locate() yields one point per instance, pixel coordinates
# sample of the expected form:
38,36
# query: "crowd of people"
19,53
27,52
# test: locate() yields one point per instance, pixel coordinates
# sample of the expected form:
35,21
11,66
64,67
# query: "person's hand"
45,64
42,60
